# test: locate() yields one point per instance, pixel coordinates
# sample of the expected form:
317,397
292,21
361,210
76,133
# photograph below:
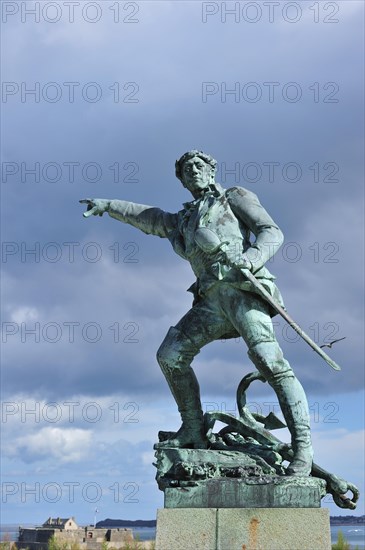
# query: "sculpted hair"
189,155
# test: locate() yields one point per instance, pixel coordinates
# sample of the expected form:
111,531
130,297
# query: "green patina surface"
223,234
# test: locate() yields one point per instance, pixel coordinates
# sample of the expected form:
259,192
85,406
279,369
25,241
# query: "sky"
98,100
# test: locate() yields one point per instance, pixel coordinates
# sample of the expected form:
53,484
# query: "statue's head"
196,170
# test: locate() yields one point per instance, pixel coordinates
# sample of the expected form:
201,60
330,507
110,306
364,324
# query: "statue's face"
196,175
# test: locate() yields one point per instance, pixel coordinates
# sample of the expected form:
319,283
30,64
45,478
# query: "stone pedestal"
243,529
218,499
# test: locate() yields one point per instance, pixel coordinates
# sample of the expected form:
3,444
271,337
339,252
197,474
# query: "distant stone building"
69,524
66,532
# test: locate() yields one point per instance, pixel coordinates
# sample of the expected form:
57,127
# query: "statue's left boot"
269,360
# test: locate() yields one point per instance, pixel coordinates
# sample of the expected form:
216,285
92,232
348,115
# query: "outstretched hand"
95,207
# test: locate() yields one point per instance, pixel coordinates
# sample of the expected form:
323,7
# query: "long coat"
234,215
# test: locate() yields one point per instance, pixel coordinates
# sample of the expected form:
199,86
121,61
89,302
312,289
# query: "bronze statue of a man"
225,302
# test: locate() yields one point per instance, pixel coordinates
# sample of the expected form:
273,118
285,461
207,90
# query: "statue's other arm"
149,219
247,208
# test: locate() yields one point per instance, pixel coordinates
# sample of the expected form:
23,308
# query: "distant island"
347,520
126,523
334,520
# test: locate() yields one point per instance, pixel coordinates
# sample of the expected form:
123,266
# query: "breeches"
225,310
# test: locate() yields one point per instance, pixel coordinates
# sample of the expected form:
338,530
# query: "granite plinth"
243,529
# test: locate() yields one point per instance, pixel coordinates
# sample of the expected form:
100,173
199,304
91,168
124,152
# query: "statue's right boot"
185,389
174,357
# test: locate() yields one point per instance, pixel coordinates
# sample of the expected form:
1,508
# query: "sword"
209,242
